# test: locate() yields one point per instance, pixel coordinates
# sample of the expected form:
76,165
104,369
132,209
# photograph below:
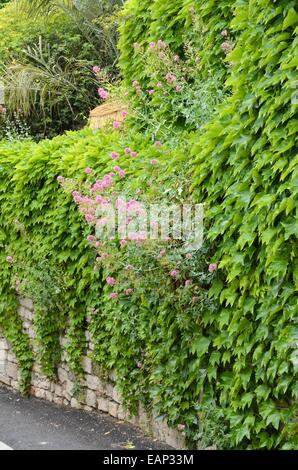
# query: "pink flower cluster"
104,94
170,78
111,281
212,267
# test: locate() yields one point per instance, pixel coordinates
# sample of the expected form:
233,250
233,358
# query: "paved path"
33,424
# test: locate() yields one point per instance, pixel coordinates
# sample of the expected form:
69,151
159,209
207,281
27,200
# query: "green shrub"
46,65
193,32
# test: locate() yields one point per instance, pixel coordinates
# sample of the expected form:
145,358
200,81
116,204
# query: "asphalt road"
33,424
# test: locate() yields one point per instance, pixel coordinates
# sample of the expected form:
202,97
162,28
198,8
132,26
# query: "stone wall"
95,392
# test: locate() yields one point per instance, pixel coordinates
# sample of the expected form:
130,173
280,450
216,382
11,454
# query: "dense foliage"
246,172
207,339
46,65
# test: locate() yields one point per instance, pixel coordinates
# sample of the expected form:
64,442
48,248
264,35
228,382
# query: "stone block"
103,404
58,390
69,386
12,370
113,409
88,408
5,380
93,382
87,365
91,399
109,390
116,395
40,393
62,374
4,344
74,403
58,400
121,413
11,358
14,384
48,395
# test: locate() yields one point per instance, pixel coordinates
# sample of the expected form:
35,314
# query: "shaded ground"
33,424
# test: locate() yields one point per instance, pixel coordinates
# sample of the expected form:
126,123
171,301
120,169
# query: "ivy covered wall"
214,351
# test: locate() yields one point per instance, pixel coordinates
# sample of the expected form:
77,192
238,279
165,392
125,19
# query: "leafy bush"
46,65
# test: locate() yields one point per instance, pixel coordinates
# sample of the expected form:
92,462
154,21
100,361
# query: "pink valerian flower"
107,181
179,88
111,281
140,365
158,85
124,114
3,110
91,238
153,162
88,171
174,273
115,155
97,244
212,267
116,168
133,154
176,58
157,143
170,78
89,217
127,150
188,282
162,55
116,124
150,92
104,94
9,259
224,33
161,44
123,243
226,46
60,179
102,255
129,291
96,69
162,253
121,173
114,295
136,45
152,45
135,83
